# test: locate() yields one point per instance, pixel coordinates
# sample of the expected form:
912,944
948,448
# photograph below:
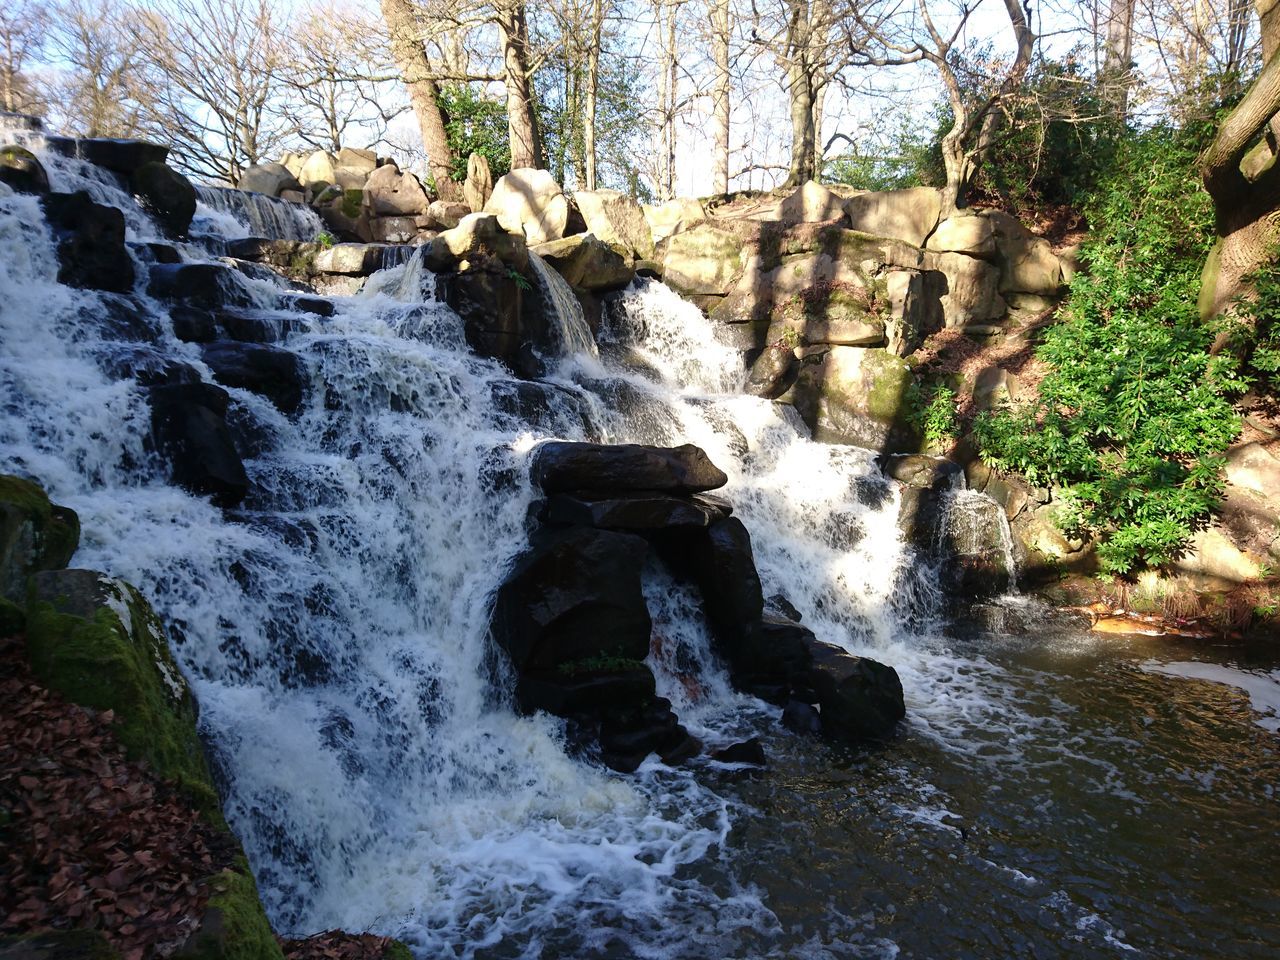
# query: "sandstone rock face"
855,395
811,203
973,289
587,263
390,193
1251,512
476,234
269,179
318,167
703,260
1027,263
616,218
478,187
909,215
964,233
672,217
447,214
530,203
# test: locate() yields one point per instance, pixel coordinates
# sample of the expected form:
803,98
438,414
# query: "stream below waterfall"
1051,794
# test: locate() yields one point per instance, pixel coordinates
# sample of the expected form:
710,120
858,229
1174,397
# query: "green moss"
13,619
303,263
352,201
396,951
889,378
101,662
234,926
34,534
24,495
600,663
59,945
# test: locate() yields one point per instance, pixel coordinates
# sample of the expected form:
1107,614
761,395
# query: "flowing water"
1051,794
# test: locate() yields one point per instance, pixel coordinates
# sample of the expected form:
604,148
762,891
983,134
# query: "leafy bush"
932,411
1136,411
475,124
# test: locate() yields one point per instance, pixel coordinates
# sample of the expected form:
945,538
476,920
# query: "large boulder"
967,233
91,242
318,167
275,373
860,698
476,235
576,595
529,203
167,195
811,203
490,300
206,285
635,511
616,218
909,215
588,263
118,156
189,428
447,214
478,187
856,395
1027,262
720,561
271,179
352,168
704,260
674,216
35,535
390,193
973,289
22,171
914,308
561,466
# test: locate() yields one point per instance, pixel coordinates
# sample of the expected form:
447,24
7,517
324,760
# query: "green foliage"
932,412
1254,325
889,161
325,239
519,279
1136,412
475,124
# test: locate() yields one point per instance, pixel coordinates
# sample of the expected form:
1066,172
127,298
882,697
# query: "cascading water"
564,311
334,630
232,214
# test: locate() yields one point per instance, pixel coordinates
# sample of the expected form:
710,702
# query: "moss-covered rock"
58,945
96,640
34,535
857,395
234,926
21,170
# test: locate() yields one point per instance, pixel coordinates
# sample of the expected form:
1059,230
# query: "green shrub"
1136,411
932,412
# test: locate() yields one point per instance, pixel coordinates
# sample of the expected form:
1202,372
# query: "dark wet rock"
192,324
122,318
258,326
277,374
566,694
546,406
488,298
636,511
771,373
145,364
719,560
208,285
803,718
919,470
779,605
575,597
22,171
162,253
166,195
860,698
748,751
319,306
119,156
189,429
562,467
91,243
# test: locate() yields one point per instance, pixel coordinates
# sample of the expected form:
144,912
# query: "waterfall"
334,626
564,310
232,214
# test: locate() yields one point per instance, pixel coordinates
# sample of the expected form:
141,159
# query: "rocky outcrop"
167,196
189,428
616,219
478,187
271,179
119,156
572,619
21,171
857,395
530,204
91,242
909,215
811,203
35,535
674,216
587,263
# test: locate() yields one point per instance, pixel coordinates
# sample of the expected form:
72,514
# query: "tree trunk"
1117,75
593,87
668,87
720,95
800,92
1241,172
522,118
424,94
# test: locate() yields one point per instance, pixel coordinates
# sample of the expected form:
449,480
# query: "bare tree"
216,92
718,16
24,25
976,99
519,65
103,89
338,70
592,92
